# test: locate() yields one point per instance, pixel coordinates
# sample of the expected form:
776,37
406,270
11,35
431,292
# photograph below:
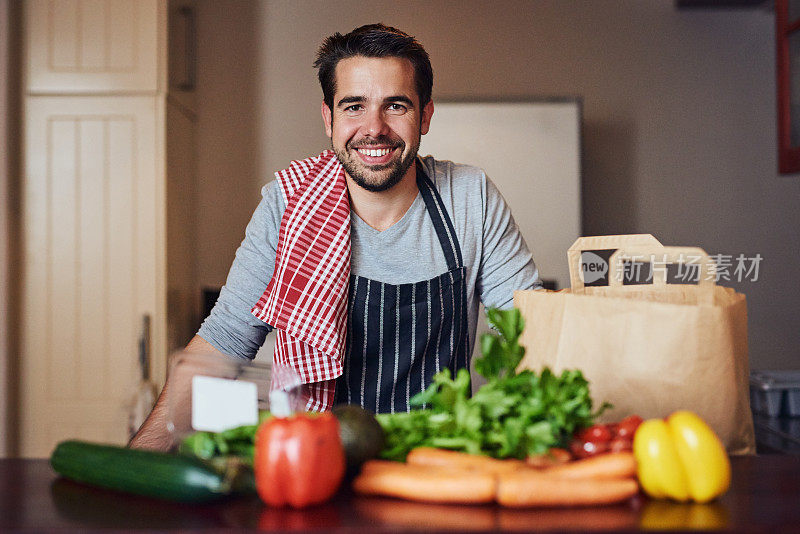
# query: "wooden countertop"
764,496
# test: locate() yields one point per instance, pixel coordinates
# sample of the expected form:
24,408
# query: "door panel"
98,46
92,233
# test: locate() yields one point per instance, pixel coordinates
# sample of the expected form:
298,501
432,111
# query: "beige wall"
679,118
228,136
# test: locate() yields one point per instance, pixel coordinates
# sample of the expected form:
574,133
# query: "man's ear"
427,113
327,118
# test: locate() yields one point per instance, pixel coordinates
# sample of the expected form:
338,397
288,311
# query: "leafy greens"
238,441
513,415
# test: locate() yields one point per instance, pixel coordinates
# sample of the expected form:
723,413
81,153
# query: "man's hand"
153,434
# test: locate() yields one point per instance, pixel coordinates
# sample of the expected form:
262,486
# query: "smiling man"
379,120
369,261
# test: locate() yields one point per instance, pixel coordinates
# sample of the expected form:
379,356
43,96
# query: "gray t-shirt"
495,254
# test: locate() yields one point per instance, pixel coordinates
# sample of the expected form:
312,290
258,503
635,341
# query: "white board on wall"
531,151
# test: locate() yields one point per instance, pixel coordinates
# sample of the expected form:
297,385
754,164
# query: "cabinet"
107,214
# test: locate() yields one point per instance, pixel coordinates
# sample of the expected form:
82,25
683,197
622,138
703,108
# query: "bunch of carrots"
444,476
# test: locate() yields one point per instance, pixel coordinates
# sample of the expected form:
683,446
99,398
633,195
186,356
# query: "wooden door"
92,267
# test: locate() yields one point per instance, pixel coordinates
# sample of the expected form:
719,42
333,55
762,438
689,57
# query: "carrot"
536,489
382,465
427,484
441,476
610,465
372,467
432,457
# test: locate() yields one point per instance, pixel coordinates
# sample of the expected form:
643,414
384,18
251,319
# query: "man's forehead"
374,63
361,73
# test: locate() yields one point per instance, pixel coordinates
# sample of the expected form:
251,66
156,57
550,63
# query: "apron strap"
441,220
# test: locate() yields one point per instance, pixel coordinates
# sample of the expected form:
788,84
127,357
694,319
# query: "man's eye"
397,108
353,109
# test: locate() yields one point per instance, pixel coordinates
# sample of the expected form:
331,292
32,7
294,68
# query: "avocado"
361,434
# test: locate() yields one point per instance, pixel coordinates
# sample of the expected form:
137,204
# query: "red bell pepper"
299,460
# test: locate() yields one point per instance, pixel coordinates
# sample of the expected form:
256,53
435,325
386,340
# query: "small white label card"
219,404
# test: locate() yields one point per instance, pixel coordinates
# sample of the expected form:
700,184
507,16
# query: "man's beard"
363,175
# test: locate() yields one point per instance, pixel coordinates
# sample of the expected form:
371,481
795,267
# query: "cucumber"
141,472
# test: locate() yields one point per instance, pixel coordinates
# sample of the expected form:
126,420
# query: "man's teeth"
375,153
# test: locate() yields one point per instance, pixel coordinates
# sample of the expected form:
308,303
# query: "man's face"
376,122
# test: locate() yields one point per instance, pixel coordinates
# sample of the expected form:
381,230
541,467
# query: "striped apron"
399,336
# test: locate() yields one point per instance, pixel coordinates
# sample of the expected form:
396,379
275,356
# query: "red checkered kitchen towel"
306,299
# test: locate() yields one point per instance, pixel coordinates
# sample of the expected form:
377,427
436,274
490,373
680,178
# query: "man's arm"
506,262
231,326
153,434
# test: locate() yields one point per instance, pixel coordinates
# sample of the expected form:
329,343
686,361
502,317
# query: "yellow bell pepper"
681,458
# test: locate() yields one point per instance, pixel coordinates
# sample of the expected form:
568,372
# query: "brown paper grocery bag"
648,349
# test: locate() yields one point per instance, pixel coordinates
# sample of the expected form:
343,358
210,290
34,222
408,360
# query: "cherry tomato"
595,434
620,445
585,449
576,448
627,427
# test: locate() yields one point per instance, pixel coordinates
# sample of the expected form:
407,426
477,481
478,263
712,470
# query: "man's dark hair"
373,40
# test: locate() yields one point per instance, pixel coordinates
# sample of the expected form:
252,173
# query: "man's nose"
375,124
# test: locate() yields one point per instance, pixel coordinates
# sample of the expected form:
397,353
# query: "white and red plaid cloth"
306,299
